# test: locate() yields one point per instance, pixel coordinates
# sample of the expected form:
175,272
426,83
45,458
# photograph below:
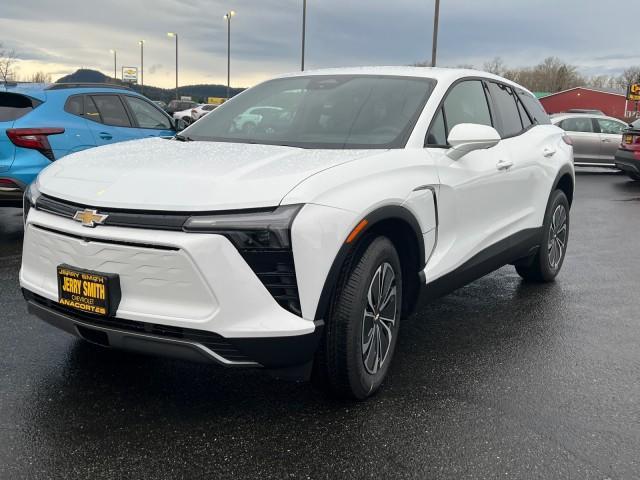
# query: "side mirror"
467,137
179,125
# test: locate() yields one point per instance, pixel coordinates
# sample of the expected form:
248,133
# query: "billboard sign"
215,100
633,92
130,74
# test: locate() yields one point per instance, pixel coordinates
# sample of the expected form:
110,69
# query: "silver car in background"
595,137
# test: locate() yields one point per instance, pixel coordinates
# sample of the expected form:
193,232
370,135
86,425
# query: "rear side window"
111,110
577,124
74,105
465,103
504,99
90,110
14,106
533,106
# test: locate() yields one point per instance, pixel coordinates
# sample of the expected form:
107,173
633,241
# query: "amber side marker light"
356,231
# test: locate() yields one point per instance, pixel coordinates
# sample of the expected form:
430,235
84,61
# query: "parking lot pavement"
500,379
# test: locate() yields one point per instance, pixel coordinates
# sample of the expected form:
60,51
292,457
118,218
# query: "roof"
565,115
610,91
446,75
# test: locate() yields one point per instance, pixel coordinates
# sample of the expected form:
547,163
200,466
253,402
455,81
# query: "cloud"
266,35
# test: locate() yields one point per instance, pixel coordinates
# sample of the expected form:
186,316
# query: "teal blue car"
42,123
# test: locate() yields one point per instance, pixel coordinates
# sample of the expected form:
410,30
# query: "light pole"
227,17
304,30
115,65
141,42
174,34
434,48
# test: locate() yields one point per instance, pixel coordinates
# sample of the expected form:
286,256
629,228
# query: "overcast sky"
61,36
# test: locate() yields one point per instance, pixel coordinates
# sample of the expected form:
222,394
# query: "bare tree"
629,76
41,77
495,66
7,62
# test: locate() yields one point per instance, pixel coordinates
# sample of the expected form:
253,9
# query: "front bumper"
628,161
180,343
197,285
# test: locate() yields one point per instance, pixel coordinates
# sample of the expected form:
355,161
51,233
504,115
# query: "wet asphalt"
500,379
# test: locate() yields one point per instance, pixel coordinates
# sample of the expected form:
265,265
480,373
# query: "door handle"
105,136
606,140
504,165
549,152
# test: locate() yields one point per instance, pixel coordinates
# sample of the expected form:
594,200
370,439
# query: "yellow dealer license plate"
88,291
628,139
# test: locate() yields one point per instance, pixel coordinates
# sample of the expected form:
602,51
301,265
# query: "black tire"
351,320
634,176
546,264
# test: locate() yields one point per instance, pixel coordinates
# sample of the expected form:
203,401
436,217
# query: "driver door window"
465,103
146,115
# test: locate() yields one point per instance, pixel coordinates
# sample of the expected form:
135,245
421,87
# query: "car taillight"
567,140
7,185
631,141
34,138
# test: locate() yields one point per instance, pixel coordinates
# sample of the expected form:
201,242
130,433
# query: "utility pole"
304,30
175,35
227,17
142,66
434,48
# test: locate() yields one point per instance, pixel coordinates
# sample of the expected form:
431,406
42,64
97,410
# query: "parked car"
201,110
161,104
190,115
628,155
180,105
595,137
300,247
40,124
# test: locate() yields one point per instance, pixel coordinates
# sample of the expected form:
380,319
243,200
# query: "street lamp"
227,16
434,46
115,64
304,30
173,34
141,42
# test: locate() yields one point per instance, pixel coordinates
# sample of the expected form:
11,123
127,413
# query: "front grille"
276,271
116,218
212,341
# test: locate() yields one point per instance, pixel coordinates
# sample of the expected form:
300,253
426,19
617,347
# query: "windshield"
636,124
344,111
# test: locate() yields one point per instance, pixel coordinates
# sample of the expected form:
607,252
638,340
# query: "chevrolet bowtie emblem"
89,218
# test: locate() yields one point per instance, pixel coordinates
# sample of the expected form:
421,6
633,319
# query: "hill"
199,93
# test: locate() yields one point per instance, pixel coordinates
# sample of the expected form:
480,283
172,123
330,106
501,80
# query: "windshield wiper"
183,138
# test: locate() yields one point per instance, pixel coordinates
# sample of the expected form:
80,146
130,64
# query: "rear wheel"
362,329
546,264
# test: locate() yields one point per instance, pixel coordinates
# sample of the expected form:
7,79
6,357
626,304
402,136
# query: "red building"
610,102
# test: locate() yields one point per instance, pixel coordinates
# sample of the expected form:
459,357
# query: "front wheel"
362,329
546,264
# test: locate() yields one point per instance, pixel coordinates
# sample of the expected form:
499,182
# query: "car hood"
168,175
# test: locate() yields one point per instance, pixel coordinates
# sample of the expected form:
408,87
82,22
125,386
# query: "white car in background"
298,247
190,115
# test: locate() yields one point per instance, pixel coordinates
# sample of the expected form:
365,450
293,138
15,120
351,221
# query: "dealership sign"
633,92
130,74
215,100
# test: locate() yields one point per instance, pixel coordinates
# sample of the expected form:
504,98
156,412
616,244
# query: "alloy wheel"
557,236
379,320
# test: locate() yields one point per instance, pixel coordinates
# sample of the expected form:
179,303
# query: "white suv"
302,242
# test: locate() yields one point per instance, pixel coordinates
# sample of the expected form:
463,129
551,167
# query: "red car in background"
628,155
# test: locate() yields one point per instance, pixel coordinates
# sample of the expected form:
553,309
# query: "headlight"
31,195
260,230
